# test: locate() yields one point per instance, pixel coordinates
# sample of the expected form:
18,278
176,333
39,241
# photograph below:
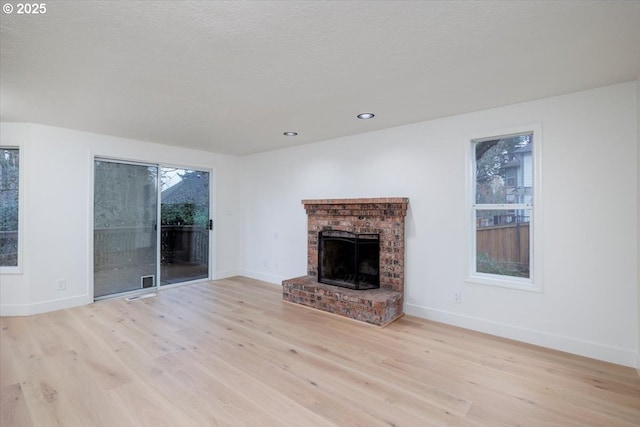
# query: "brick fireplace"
383,216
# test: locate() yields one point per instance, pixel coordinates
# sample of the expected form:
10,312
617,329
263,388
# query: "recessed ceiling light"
291,133
365,116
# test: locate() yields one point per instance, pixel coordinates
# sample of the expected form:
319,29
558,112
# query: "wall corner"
638,220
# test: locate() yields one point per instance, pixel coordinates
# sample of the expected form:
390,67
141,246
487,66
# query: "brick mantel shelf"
385,216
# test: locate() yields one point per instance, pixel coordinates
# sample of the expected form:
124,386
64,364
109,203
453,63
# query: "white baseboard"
593,350
44,306
59,304
265,277
227,273
8,310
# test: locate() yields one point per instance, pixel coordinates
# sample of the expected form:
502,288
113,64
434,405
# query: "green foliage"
185,214
485,264
125,195
9,200
9,211
9,185
8,254
185,202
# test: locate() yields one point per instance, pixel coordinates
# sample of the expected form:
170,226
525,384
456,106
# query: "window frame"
17,269
534,282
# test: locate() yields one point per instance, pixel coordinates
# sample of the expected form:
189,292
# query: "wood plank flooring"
232,353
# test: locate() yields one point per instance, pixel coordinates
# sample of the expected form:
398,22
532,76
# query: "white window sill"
10,270
504,282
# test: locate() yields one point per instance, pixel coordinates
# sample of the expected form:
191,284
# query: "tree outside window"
9,200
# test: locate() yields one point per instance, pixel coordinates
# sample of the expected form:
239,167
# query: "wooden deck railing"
184,244
126,246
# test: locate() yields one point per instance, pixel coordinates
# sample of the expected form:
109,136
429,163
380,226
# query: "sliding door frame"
91,212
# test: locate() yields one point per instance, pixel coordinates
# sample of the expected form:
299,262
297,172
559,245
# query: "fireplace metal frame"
354,238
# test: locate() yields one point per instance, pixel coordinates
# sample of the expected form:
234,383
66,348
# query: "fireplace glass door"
349,260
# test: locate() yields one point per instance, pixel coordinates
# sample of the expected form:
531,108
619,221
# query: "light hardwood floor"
231,353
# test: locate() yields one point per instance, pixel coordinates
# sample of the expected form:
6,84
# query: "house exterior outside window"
502,186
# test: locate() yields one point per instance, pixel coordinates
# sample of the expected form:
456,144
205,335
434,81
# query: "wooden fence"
507,244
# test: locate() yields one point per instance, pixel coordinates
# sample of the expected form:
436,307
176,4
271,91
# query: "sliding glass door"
130,252
184,237
124,236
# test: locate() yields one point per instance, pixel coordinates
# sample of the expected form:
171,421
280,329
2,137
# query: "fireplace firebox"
349,260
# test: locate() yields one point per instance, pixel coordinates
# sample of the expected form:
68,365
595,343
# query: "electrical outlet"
457,297
62,284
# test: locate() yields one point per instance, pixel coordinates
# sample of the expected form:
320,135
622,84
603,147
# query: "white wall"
58,193
638,245
589,214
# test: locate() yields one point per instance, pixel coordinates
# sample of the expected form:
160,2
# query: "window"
502,188
9,201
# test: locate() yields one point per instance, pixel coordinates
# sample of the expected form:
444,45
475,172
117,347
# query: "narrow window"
502,207
9,200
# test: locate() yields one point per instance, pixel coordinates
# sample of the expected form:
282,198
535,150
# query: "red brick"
384,216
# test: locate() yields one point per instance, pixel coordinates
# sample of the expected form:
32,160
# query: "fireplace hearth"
348,226
349,260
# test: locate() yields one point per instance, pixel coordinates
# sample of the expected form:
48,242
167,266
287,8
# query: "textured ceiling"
231,77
